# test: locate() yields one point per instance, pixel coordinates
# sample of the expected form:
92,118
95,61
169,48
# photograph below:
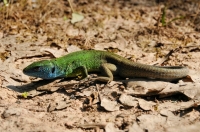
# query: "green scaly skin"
81,62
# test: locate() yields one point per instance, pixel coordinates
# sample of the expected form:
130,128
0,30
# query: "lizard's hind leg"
107,70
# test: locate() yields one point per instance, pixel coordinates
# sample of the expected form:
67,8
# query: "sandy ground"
145,31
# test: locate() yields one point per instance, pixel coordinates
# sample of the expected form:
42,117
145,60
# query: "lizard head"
43,69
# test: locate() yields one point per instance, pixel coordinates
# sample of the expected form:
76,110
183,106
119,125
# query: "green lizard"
81,62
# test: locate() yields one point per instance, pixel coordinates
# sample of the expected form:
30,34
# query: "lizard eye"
36,68
53,70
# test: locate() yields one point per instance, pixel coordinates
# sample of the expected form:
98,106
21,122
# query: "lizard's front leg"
81,72
108,70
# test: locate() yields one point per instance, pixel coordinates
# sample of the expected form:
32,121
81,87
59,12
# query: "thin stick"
98,92
70,4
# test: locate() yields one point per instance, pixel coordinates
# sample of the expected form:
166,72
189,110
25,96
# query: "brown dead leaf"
34,93
194,75
128,100
152,122
185,128
193,115
55,52
50,86
72,31
102,46
135,128
13,111
176,106
144,87
109,105
58,105
191,90
172,120
110,127
146,105
73,48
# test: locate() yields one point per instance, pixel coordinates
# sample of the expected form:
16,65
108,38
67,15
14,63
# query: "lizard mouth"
25,71
32,71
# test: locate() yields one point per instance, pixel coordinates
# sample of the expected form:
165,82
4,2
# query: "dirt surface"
145,31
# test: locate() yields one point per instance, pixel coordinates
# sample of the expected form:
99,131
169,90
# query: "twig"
70,4
98,93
